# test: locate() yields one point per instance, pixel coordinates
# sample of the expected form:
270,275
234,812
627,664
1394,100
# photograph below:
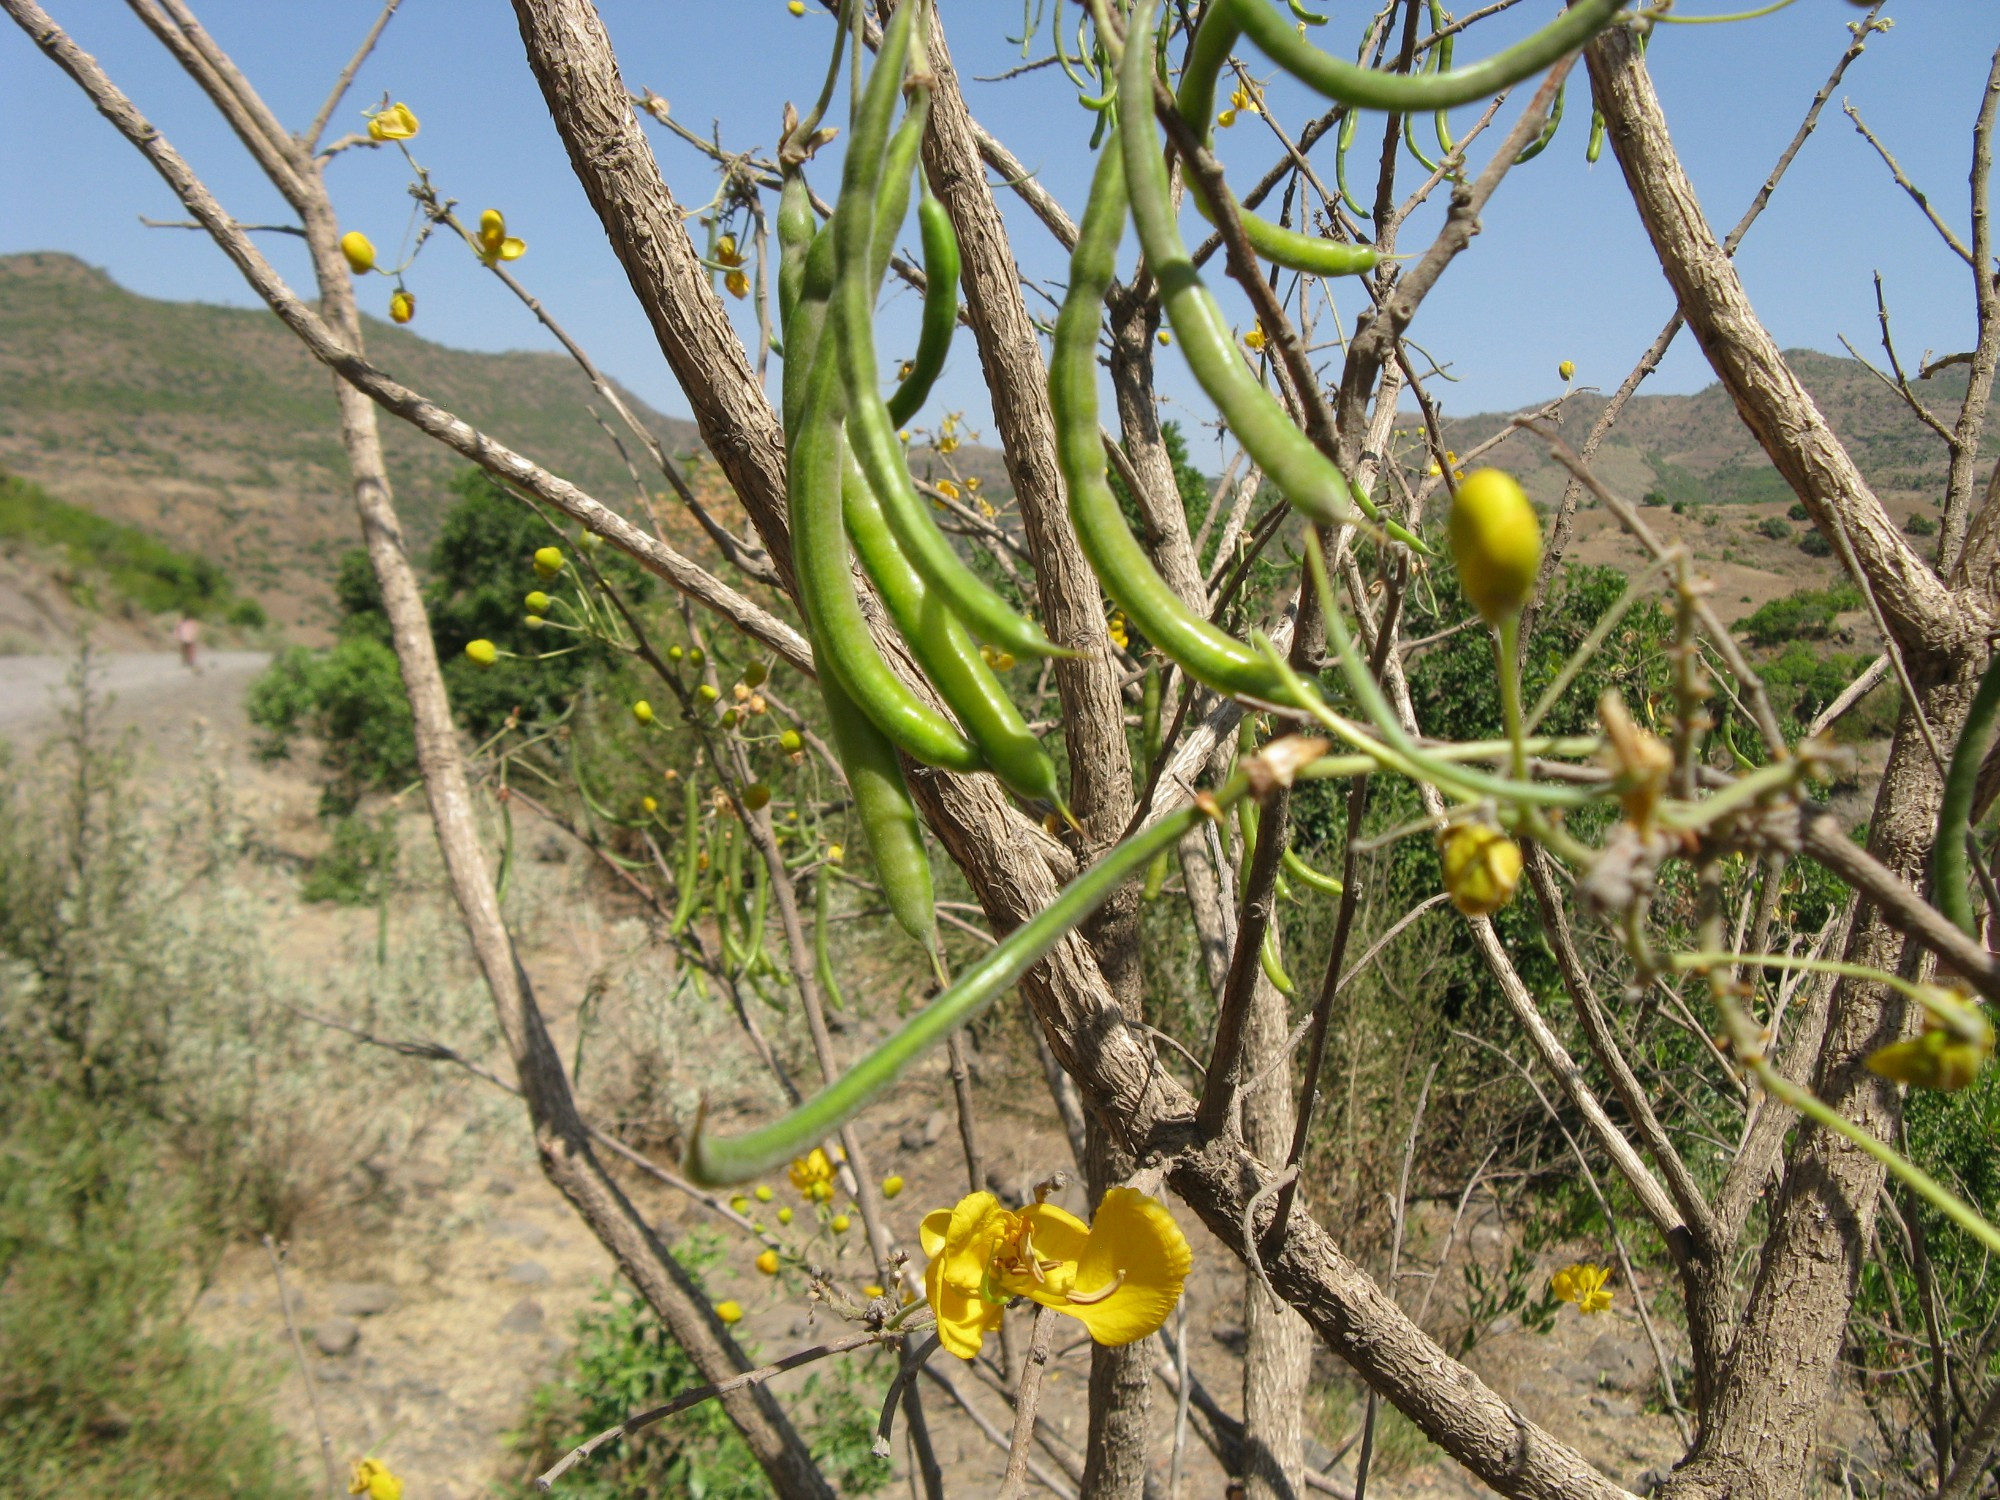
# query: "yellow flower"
1939,1058
402,306
873,1289
730,1311
785,1214
947,444
359,250
740,1204
737,284
763,1192
1165,337
548,561
1226,119
1119,1276
1254,339
1481,867
395,123
373,1479
1583,1285
1567,369
538,602
643,711
1242,99
839,1223
768,1263
482,652
1496,539
650,804
1116,628
946,488
891,1186
796,7
835,854
812,1175
726,253
494,244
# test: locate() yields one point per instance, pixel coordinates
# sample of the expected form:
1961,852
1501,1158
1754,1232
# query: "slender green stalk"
1951,879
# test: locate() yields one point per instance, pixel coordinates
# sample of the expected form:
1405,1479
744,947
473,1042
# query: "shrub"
1797,511
1776,528
350,699
1815,545
1807,614
1920,525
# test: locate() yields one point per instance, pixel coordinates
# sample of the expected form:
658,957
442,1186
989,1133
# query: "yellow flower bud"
1567,369
790,743
891,1186
643,711
538,602
756,795
360,252
674,653
696,656
402,307
493,243
1165,337
756,673
1254,339
740,1203
729,718
784,1213
395,123
650,804
737,284
1933,1060
796,7
482,652
763,1192
839,1223
548,561
1496,539
730,1311
835,854
768,1263
372,1478
708,692
1226,119
1482,866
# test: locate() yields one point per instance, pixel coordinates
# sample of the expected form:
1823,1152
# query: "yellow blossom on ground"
873,1289
768,1263
891,1186
763,1192
402,306
494,243
1119,1276
359,250
840,1223
835,854
785,1214
730,1311
740,1204
1584,1285
373,1479
812,1175
395,123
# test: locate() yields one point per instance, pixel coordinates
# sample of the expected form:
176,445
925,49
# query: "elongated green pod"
945,651
870,431
829,982
1306,875
889,823
1372,88
1273,966
715,1161
1951,879
806,326
690,865
1309,480
899,172
940,321
1342,145
796,227
1540,143
842,644
1209,655
1594,147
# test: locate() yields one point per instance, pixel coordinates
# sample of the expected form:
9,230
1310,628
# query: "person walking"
188,633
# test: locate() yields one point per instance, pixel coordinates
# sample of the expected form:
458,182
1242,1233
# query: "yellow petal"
978,1224
1134,1238
1935,1060
395,123
964,1318
513,249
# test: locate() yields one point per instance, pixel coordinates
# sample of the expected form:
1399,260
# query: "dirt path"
148,690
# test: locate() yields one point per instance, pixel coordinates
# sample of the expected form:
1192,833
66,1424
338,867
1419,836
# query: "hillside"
212,429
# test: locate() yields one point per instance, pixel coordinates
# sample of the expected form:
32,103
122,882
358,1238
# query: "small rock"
427,1176
527,1231
500,1187
1625,1363
934,1127
528,1273
336,1337
525,1316
110,1424
362,1299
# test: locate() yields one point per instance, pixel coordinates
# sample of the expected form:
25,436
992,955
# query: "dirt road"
150,690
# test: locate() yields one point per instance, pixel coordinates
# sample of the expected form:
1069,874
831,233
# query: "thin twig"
1025,1404
333,1484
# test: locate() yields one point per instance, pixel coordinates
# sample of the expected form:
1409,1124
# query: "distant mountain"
214,430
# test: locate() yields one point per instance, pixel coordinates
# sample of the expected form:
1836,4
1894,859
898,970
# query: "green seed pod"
643,711
754,674
708,692
1496,539
790,743
756,795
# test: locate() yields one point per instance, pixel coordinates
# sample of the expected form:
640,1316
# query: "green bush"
350,699
1815,545
1797,511
359,867
1776,528
623,1361
1920,525
1807,614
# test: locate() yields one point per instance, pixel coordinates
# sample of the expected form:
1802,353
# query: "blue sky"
1561,271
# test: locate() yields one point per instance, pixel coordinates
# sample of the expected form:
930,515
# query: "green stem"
1951,880
1506,641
